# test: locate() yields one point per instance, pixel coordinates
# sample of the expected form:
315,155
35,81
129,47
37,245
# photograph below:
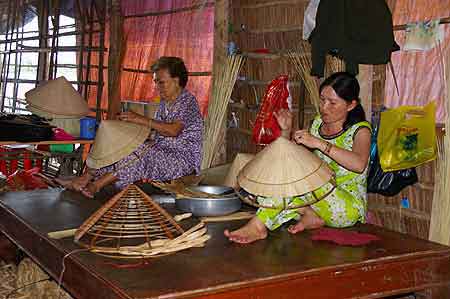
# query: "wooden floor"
282,266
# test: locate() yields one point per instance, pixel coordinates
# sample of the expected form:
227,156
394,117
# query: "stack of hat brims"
59,101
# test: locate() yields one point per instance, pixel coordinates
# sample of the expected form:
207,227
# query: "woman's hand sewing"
305,138
134,118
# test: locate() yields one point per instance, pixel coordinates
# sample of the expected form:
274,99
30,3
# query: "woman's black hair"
346,87
175,66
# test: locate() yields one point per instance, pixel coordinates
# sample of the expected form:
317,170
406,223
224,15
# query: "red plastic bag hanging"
266,128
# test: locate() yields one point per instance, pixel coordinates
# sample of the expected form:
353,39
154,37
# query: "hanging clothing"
344,206
358,31
166,157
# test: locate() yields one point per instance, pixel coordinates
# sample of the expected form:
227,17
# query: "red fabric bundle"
25,180
266,128
343,237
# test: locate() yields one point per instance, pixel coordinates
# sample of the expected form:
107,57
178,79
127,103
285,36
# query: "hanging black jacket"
358,31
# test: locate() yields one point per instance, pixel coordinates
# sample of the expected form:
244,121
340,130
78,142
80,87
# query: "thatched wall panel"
281,15
273,41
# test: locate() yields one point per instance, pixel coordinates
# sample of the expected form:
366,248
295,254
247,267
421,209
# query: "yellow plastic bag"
407,137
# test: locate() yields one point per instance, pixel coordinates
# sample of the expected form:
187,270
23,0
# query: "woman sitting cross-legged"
340,136
175,152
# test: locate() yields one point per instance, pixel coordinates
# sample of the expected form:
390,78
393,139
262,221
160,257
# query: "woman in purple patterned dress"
177,148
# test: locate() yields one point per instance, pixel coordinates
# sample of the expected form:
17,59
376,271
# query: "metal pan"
225,202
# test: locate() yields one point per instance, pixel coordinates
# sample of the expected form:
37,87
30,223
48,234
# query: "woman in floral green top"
341,137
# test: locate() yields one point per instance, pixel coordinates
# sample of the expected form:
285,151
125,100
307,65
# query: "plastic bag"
407,137
266,128
386,183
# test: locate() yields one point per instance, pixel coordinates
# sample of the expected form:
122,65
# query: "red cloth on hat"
343,237
266,127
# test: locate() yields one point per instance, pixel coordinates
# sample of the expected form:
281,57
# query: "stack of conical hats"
284,169
131,224
59,101
239,162
114,141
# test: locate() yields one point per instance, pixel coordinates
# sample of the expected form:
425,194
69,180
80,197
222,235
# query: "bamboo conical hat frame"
239,162
132,216
56,99
284,169
114,141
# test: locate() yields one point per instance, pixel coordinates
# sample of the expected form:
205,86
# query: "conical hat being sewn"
284,169
58,99
114,141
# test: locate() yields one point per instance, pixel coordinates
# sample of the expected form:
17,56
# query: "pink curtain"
186,34
419,74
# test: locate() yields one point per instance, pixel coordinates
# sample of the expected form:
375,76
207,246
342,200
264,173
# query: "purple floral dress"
169,157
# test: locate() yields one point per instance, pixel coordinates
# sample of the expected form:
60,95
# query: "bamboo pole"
101,17
440,213
115,58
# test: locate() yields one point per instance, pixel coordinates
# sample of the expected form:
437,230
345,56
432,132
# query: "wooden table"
282,266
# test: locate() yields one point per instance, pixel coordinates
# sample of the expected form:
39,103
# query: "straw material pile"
8,274
29,272
222,87
284,169
440,213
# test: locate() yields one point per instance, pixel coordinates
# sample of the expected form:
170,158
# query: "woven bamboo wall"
272,25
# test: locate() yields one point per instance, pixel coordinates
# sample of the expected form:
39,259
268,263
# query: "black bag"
24,128
386,183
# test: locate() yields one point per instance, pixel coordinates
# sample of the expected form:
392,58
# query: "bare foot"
254,230
309,220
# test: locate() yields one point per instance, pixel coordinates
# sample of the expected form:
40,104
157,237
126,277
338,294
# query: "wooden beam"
273,3
221,39
115,58
275,30
171,11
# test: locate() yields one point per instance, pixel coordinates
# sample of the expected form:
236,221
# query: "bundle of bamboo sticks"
302,63
194,237
223,85
440,213
301,59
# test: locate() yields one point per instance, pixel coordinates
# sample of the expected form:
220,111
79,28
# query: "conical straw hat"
58,99
114,141
284,169
239,162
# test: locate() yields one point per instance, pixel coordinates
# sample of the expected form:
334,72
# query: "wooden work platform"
282,266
